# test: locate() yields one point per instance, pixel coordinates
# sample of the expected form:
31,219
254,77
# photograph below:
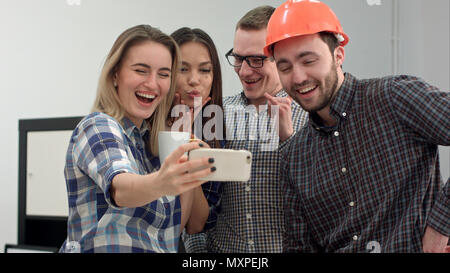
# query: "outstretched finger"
271,99
195,165
198,175
183,159
177,99
180,151
290,99
194,139
270,102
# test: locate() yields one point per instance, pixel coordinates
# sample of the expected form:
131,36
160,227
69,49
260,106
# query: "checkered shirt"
371,183
99,149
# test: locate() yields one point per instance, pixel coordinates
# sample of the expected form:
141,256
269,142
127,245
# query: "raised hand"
285,114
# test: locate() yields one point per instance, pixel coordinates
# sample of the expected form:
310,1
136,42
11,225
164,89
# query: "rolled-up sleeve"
99,152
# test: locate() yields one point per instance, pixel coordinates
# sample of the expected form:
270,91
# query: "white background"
46,156
51,54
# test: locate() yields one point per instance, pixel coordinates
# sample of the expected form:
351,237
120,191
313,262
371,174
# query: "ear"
339,56
114,78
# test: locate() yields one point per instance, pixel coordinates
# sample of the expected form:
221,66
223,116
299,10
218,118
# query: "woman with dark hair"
199,80
198,90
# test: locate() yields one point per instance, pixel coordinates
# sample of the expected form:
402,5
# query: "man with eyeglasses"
251,216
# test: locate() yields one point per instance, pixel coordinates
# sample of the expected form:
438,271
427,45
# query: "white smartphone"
231,165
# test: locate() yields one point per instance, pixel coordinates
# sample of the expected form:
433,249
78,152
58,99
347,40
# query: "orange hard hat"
302,17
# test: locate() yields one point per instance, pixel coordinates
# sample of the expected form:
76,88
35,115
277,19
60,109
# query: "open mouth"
252,81
145,98
307,90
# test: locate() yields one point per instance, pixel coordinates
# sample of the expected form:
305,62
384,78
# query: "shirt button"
344,170
247,188
249,216
355,237
250,242
352,204
336,133
344,114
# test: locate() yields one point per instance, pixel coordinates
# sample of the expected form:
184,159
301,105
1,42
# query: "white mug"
169,141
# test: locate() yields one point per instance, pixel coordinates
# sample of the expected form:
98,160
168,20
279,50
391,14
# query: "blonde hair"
107,100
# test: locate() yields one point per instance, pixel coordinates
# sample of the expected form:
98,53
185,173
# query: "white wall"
51,54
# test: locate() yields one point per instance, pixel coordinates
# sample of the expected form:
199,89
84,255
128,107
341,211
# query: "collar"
140,137
280,94
131,129
341,106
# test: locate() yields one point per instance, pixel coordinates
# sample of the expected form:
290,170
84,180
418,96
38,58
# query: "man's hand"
434,242
285,122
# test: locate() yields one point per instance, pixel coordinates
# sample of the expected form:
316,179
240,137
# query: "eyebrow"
141,64
148,67
299,56
243,56
205,63
307,53
201,64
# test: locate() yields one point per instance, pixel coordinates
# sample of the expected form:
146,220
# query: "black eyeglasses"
255,61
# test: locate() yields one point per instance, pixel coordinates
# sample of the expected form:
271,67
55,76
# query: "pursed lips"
193,93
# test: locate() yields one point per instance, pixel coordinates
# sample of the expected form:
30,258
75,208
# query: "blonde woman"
121,199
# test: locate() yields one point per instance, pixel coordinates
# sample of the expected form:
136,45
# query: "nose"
151,82
193,79
299,75
244,70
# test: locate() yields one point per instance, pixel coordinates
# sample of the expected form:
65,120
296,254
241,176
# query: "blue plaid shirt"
372,182
99,149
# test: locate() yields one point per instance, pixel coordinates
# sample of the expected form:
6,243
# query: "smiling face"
309,72
255,81
143,79
196,76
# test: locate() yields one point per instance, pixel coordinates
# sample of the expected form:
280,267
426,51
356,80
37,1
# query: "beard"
327,91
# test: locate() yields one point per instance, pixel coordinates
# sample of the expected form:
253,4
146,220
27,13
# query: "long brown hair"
107,100
185,35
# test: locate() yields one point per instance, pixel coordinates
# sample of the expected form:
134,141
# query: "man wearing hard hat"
363,175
